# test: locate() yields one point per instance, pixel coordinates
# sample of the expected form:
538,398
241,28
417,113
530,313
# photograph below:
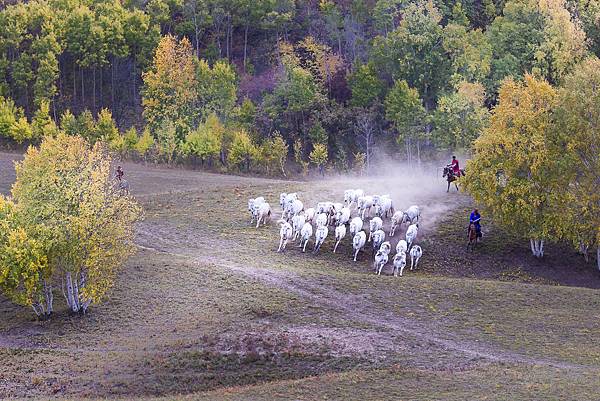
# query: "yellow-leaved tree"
514,171
204,142
65,203
577,134
25,275
273,154
318,156
242,150
170,85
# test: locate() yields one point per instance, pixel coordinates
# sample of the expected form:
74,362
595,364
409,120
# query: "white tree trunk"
537,247
49,297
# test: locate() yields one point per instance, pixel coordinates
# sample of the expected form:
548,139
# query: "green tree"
86,126
404,108
205,142
131,139
247,114
22,131
386,13
9,116
537,37
242,151
170,86
25,273
413,52
144,144
166,141
460,117
106,128
273,154
217,89
318,156
68,123
366,86
42,124
470,52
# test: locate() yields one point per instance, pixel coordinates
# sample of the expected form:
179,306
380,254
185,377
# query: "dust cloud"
407,186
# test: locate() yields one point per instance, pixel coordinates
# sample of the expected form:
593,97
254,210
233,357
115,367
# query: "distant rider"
119,173
475,218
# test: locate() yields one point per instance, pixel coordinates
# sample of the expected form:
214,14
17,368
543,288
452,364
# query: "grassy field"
207,310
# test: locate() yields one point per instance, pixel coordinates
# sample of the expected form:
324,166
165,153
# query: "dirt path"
355,308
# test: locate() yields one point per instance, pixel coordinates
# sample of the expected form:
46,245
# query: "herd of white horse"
349,217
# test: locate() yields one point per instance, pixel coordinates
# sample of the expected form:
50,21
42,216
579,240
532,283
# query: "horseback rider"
455,166
475,219
119,173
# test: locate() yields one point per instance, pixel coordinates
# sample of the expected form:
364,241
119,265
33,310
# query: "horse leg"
456,185
448,190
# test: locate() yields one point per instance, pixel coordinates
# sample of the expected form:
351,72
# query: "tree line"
355,77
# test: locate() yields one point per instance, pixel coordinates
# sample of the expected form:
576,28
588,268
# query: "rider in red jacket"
455,167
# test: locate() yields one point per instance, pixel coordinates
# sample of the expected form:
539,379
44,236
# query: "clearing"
207,310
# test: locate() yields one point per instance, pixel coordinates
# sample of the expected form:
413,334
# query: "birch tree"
578,135
513,171
65,186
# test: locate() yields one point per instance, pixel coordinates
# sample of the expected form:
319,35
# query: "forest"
240,85
282,87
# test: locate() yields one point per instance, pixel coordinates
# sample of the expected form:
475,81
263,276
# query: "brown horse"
450,177
472,236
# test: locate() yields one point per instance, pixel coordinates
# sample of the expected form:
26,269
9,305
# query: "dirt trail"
351,306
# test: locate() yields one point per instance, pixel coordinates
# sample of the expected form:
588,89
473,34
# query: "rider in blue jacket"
475,218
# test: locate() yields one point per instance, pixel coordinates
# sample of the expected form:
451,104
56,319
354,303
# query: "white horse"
293,208
411,234
285,198
323,207
251,206
321,220
397,218
415,254
285,234
381,258
378,238
263,212
351,196
356,225
412,215
340,233
298,222
365,203
399,263
384,207
309,214
305,233
375,224
358,242
343,216
386,247
402,246
320,236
